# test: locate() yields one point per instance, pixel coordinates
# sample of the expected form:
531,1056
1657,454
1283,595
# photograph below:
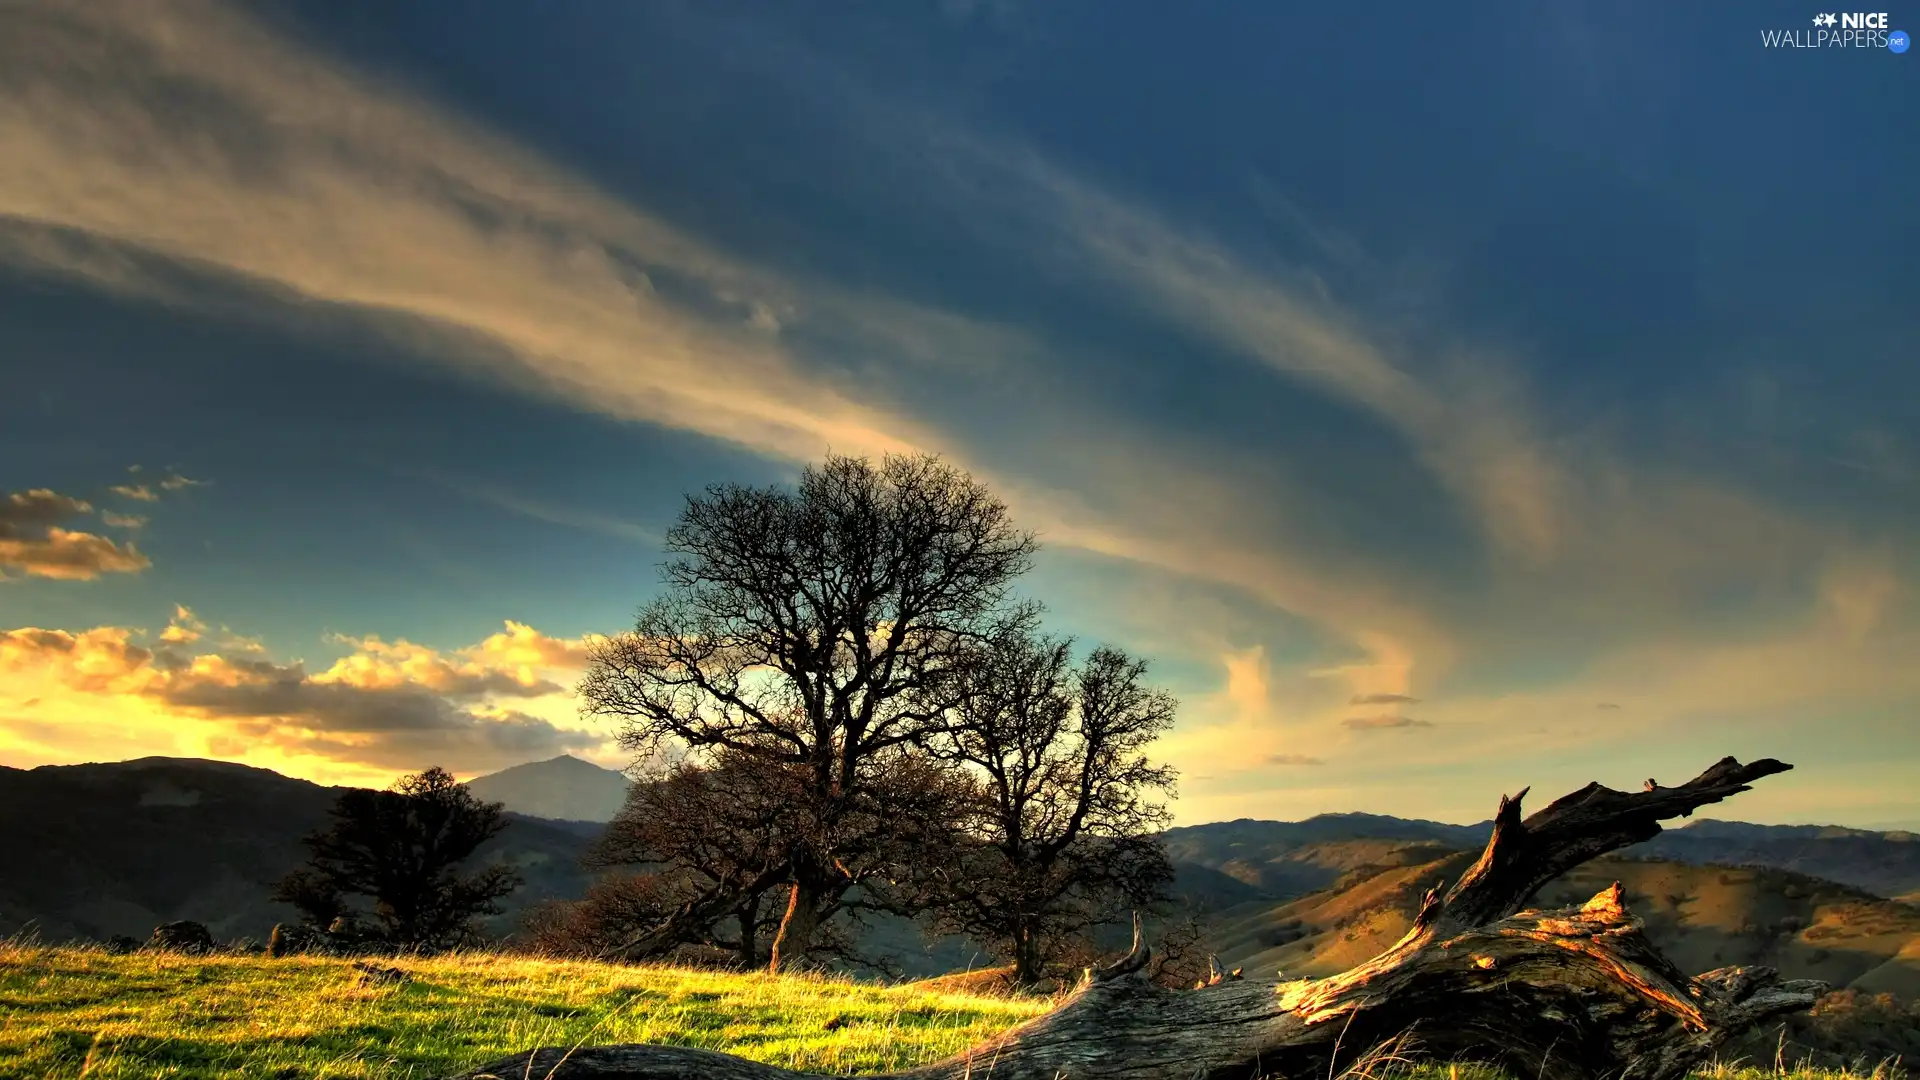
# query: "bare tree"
705,834
821,629
402,849
1064,837
597,925
1571,994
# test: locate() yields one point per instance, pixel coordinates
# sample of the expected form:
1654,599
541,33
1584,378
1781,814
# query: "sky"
1443,401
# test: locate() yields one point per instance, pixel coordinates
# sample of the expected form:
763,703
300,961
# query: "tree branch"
1521,856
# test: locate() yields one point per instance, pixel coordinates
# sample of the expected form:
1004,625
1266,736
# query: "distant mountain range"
1291,858
119,848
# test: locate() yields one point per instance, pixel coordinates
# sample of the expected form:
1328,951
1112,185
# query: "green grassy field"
67,1013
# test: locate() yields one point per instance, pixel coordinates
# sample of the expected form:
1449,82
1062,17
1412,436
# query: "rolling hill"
119,848
1813,901
1882,863
1703,917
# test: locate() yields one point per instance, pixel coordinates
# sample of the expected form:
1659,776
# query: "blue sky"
1443,401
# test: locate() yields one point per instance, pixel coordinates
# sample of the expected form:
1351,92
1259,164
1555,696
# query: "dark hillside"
103,849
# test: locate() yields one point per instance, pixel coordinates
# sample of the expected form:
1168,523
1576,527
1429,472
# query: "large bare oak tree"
1570,994
822,631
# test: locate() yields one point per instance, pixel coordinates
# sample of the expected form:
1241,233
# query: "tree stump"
1569,994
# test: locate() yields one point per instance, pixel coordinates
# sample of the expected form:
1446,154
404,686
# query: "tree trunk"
1572,994
1026,956
797,927
749,916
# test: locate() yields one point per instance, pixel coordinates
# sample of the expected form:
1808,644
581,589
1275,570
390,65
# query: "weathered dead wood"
1571,994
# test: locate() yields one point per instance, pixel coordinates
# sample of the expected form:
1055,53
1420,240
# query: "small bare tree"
707,834
1064,833
820,631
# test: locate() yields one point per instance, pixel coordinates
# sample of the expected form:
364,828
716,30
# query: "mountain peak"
564,788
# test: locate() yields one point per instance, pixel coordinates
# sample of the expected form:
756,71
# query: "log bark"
1570,994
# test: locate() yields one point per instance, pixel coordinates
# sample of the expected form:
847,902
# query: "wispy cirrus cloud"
538,509
378,203
1382,699
1383,722
381,204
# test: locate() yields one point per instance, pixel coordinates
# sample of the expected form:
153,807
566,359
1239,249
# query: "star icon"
1824,20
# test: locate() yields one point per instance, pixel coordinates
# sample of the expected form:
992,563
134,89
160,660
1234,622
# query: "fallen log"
1569,994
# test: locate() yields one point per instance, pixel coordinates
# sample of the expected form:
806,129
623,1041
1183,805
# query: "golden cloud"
102,660
514,662
522,648
385,706
183,628
71,556
32,543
